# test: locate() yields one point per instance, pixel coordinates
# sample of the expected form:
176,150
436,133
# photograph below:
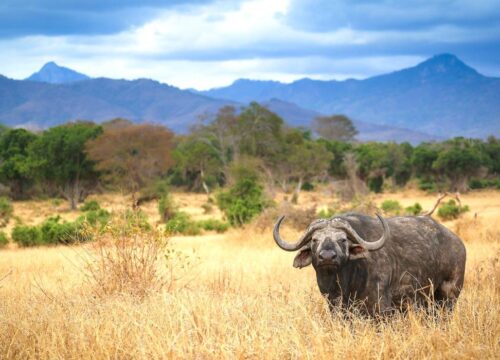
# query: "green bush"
214,225
55,232
414,209
427,185
181,223
243,201
91,205
166,207
6,210
4,241
451,211
153,191
96,218
307,186
25,235
51,231
391,207
484,183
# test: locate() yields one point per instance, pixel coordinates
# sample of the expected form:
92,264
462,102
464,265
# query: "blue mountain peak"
445,65
55,74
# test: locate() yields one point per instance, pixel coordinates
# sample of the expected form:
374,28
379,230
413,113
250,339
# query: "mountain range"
438,98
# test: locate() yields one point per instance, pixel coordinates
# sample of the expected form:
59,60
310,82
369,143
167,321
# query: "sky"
203,44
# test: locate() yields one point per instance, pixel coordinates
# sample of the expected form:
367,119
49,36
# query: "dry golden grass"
242,299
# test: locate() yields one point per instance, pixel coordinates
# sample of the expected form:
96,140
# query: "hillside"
41,105
298,116
440,96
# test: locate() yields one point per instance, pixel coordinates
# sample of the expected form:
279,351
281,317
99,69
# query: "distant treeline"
75,159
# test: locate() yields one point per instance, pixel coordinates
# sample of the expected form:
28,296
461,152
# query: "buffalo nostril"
327,255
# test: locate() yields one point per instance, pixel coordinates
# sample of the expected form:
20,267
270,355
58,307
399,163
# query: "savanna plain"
233,295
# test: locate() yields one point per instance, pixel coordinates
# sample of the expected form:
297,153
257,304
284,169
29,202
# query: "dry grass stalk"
127,260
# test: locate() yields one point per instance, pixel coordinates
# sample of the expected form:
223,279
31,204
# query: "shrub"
27,235
51,231
4,241
181,223
484,183
6,210
91,205
55,232
427,185
136,219
414,209
243,201
130,262
451,211
96,218
166,207
214,225
307,186
154,191
391,207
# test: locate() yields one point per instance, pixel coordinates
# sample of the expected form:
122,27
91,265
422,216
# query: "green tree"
15,168
224,136
255,133
381,161
307,160
335,128
399,162
58,158
492,149
373,164
459,160
243,201
199,162
422,159
339,150
261,132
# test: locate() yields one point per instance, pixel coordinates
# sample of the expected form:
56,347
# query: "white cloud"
214,44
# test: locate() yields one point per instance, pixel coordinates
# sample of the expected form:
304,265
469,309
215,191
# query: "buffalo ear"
357,252
303,258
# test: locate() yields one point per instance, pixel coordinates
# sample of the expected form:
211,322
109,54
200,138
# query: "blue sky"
205,43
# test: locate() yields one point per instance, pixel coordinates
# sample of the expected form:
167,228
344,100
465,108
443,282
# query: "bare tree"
335,127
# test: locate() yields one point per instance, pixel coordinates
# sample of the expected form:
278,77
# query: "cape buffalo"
381,265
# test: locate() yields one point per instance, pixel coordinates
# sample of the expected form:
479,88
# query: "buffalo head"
329,243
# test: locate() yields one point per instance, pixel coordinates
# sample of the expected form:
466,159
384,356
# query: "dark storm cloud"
79,17
476,35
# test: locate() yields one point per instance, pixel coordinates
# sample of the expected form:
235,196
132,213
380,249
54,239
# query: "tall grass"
240,301
126,260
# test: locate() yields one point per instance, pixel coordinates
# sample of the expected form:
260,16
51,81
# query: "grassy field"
239,297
